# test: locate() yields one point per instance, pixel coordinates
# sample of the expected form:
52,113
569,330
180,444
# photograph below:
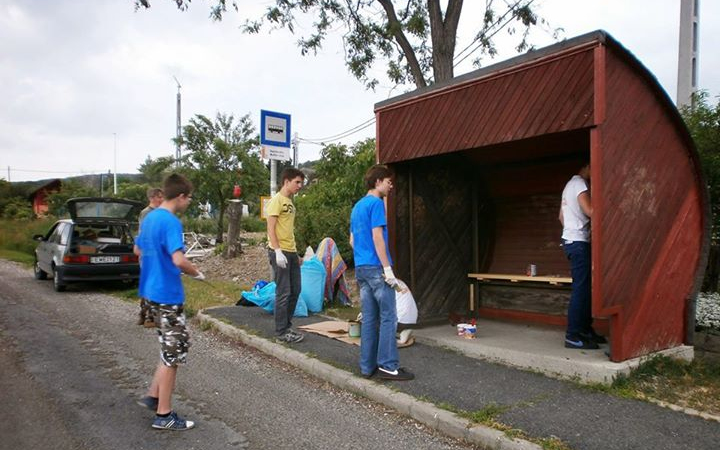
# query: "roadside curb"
441,420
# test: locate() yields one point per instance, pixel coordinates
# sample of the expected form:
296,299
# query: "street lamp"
115,159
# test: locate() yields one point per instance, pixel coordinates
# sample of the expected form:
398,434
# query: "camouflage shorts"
172,334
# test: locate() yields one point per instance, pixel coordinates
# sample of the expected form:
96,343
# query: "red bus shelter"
480,164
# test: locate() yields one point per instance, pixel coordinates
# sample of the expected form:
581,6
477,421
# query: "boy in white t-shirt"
575,214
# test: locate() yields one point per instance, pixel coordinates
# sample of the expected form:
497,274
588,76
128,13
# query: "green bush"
200,226
253,224
323,208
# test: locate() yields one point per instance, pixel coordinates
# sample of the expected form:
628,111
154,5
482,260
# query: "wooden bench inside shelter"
514,278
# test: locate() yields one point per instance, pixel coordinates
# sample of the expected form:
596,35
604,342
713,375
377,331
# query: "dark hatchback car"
95,244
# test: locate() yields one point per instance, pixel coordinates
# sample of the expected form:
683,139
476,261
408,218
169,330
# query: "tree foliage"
323,207
415,39
703,121
14,202
70,189
219,154
154,170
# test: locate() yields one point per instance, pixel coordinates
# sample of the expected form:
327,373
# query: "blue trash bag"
265,298
312,275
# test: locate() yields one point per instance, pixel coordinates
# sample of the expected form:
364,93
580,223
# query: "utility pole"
8,173
688,53
115,168
295,150
178,151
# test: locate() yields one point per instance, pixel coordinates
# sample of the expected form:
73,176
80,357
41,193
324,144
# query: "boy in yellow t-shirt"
282,253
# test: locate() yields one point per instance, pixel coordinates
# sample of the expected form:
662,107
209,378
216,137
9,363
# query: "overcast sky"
82,80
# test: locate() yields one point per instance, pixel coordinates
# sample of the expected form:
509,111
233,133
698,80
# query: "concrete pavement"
541,407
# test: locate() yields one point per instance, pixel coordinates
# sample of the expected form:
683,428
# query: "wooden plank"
515,278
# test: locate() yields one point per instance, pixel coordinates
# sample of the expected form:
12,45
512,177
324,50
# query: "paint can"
531,270
461,329
354,329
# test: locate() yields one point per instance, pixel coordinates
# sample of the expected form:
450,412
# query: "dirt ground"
252,265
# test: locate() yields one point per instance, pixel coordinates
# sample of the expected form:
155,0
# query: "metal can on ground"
531,270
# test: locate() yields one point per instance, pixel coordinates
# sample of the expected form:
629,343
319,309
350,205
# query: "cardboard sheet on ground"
334,329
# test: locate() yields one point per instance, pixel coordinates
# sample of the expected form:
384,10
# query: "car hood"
103,208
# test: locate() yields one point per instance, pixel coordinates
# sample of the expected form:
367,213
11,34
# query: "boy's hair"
375,173
176,184
154,192
290,173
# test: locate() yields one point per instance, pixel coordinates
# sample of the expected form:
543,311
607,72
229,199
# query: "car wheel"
57,281
39,273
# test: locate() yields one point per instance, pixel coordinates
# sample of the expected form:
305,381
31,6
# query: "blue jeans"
378,347
579,315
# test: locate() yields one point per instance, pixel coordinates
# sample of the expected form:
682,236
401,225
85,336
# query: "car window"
51,232
55,238
65,234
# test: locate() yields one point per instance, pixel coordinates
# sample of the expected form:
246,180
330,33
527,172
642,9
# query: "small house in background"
39,197
480,164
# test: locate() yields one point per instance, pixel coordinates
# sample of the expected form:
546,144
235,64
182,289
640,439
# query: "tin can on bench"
531,270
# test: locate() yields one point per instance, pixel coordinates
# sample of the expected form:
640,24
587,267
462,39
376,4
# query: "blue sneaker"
172,422
148,402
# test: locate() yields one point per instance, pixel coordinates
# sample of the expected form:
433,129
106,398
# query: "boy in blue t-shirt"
160,247
374,274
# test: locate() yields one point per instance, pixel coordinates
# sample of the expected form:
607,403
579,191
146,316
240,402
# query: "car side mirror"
38,237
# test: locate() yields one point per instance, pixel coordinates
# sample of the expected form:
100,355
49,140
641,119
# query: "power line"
337,137
81,172
343,133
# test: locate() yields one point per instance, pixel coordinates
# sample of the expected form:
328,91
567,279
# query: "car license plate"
104,259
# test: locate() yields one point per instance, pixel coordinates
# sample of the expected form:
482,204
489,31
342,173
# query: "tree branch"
396,29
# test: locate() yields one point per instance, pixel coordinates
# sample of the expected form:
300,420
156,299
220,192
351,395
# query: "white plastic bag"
406,308
309,253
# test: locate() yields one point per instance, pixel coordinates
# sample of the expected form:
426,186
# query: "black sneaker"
148,402
593,336
580,343
398,374
369,375
290,337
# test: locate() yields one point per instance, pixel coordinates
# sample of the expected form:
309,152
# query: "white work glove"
280,259
200,276
390,277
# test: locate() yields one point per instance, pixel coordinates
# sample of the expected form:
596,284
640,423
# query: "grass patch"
488,417
694,384
199,295
343,312
16,237
21,257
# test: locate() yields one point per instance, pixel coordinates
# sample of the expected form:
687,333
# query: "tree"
703,121
14,202
416,38
154,170
221,154
70,188
324,206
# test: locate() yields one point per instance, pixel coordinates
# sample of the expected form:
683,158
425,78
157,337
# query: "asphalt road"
72,365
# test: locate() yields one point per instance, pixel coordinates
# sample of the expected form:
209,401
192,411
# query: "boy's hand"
390,277
280,259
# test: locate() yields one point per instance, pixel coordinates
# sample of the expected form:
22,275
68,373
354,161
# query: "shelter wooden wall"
648,244
432,213
514,104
